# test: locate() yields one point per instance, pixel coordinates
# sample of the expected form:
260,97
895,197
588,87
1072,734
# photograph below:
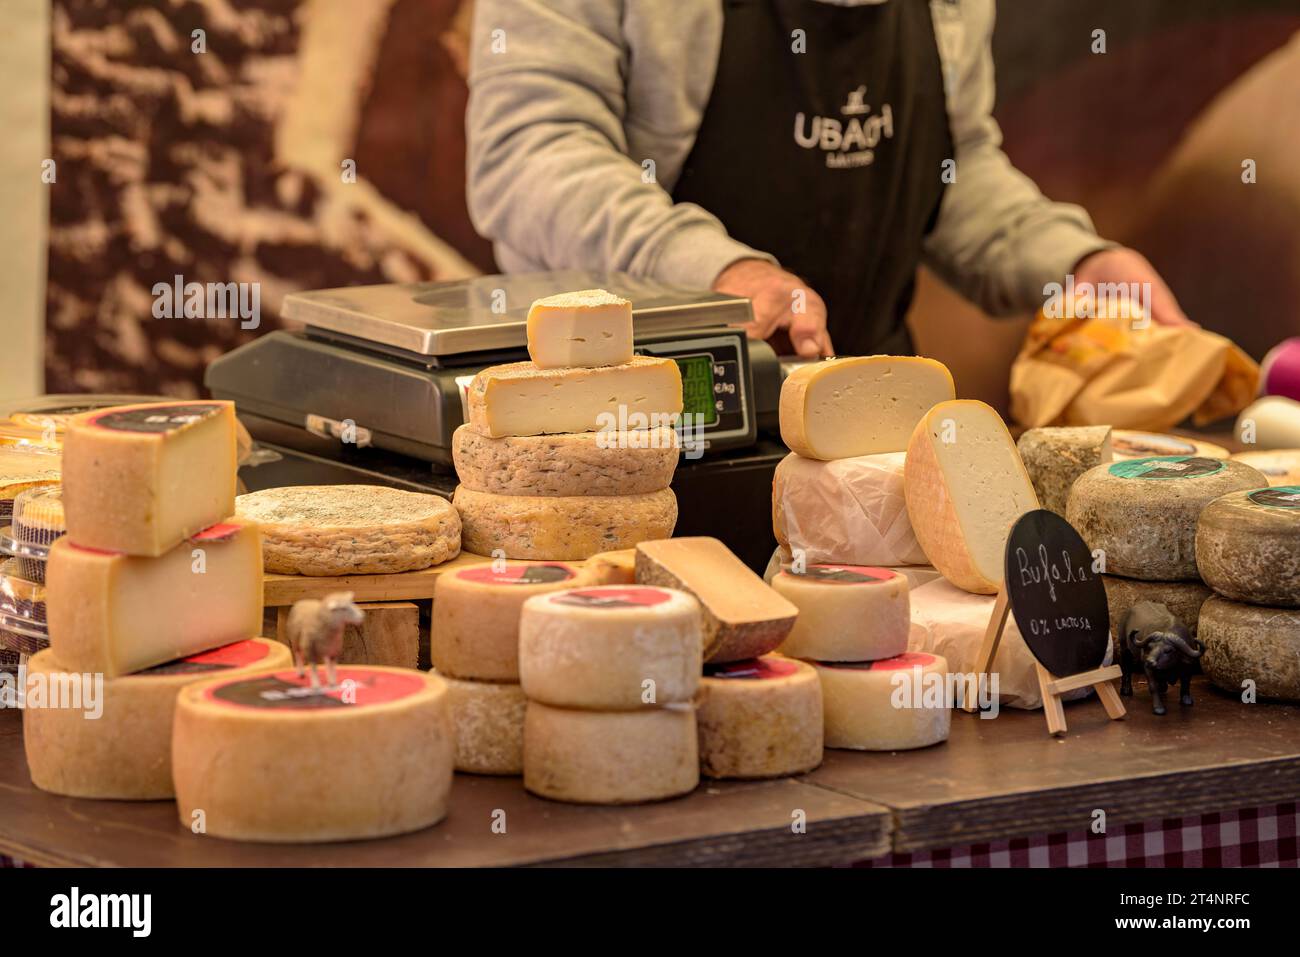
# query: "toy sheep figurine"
1156,643
316,632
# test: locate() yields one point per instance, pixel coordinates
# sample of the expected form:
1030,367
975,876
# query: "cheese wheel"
1183,599
613,757
268,758
140,479
584,329
613,568
474,629
1280,466
890,705
326,530
1056,457
630,462
759,719
851,511
859,405
965,486
1251,643
1248,546
125,751
1142,512
489,724
1130,444
610,647
1272,422
561,527
846,613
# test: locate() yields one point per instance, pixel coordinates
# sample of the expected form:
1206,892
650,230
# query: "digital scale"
373,384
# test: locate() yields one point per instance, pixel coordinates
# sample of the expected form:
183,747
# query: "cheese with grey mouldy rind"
1056,457
1183,599
1251,643
1248,546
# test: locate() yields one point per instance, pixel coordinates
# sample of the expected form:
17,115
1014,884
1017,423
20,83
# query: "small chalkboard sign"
1060,607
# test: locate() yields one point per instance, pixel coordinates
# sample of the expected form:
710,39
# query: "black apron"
829,159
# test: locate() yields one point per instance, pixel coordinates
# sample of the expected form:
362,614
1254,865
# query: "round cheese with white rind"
561,527
125,752
489,722
474,628
610,647
630,462
269,758
1251,643
1248,546
890,705
846,612
330,530
760,718
1142,513
610,757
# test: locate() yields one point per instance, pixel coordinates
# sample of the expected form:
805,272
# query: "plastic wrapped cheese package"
950,622
845,511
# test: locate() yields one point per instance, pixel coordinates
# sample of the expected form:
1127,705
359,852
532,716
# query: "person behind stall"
804,154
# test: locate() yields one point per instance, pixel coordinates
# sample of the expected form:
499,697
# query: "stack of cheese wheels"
474,645
610,673
153,569
838,497
1140,516
759,716
1248,551
571,453
852,628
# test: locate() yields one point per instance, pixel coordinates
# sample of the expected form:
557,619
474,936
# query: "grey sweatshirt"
583,112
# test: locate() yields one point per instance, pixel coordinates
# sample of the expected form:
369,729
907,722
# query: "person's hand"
780,300
1129,266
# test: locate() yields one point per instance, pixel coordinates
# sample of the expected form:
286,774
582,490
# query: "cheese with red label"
123,613
610,757
474,629
741,616
890,705
113,739
965,488
582,329
522,399
760,718
269,758
846,612
859,405
140,479
489,721
610,647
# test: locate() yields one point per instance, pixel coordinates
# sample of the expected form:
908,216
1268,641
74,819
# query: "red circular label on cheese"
518,574
612,596
218,533
155,418
908,659
1280,496
752,669
1168,467
846,574
289,691
241,654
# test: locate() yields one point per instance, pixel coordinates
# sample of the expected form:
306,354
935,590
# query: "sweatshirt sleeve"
549,175
997,240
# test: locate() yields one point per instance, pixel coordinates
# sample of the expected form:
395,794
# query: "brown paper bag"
1113,371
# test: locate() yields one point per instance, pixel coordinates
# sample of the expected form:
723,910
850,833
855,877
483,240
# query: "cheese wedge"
522,399
965,487
583,329
862,405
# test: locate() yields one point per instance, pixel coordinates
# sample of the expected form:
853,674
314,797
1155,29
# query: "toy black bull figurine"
1156,643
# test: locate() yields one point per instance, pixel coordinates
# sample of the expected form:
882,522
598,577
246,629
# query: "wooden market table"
993,779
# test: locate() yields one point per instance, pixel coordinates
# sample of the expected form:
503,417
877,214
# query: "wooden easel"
1051,686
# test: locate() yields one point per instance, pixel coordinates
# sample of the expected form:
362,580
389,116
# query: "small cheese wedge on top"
582,329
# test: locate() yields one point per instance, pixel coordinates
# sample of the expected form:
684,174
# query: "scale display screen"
697,387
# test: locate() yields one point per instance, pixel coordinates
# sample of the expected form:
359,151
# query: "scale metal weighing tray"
372,387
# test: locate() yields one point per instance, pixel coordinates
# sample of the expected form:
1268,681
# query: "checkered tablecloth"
1248,837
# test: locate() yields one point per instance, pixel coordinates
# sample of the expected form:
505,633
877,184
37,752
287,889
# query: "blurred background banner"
320,143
